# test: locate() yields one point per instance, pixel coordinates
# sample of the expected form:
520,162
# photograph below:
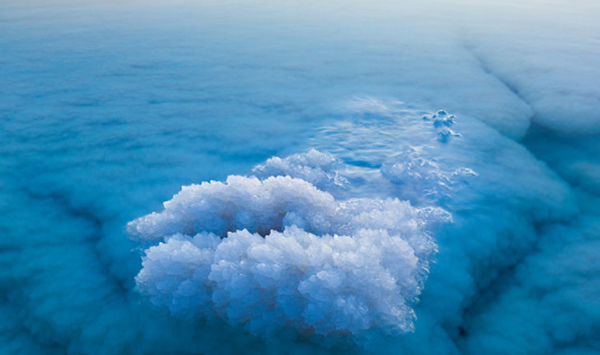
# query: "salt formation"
499,196
278,252
320,169
328,247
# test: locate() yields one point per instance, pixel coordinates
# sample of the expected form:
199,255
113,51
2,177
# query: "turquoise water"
108,109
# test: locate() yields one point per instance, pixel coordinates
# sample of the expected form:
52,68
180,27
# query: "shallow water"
108,109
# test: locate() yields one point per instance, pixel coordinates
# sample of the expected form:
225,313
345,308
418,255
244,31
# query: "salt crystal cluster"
279,253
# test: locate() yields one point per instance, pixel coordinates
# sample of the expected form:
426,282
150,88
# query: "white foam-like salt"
278,252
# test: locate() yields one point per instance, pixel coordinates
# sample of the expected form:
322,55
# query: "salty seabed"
301,177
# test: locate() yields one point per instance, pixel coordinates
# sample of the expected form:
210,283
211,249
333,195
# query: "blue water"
108,108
